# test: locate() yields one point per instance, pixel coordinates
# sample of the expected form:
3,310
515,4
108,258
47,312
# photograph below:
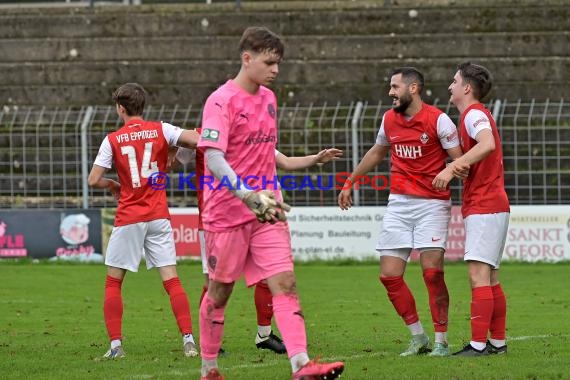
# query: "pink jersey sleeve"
216,122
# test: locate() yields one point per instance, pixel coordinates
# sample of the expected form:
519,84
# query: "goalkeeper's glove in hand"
265,207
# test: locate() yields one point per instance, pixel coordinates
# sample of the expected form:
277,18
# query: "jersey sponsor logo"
392,138
452,136
424,138
434,239
271,110
210,134
408,151
260,138
479,121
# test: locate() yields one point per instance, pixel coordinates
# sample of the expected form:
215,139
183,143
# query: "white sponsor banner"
328,232
538,233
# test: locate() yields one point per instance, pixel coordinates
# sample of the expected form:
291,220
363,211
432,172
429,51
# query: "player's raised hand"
345,198
327,155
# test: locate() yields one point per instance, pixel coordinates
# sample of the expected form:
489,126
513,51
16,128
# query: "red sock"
113,307
481,312
263,304
498,320
204,291
179,303
401,297
438,298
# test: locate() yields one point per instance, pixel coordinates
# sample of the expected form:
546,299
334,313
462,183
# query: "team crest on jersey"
271,110
210,134
424,138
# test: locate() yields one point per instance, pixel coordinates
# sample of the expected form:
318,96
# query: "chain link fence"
46,157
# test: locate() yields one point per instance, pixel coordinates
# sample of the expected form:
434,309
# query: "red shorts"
256,250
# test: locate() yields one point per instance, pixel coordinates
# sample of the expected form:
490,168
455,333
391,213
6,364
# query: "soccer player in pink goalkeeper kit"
420,137
138,149
264,338
239,135
485,208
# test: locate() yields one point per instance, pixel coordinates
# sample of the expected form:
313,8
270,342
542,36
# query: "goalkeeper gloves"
265,207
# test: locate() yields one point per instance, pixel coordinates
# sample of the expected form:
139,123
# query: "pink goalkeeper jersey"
244,127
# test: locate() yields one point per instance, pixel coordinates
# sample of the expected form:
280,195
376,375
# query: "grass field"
51,325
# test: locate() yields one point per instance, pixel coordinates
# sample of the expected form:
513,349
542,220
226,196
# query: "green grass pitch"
51,325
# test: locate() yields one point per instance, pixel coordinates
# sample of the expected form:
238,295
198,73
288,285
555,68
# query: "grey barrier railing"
46,152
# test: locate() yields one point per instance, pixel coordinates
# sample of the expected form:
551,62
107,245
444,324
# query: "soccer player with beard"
419,137
485,208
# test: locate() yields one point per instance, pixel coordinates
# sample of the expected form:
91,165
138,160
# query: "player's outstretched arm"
371,159
188,139
297,163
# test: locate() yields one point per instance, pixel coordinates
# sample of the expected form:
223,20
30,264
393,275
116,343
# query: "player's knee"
283,283
392,283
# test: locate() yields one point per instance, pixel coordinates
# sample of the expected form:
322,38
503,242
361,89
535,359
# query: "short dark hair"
410,75
132,96
478,77
259,39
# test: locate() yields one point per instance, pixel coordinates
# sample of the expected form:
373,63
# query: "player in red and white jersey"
485,208
139,152
420,138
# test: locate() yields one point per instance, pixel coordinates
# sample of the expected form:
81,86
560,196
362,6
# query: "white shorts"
414,223
485,236
202,240
129,243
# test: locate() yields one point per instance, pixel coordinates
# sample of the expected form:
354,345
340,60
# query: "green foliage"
51,325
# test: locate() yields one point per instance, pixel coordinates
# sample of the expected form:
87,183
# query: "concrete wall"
336,51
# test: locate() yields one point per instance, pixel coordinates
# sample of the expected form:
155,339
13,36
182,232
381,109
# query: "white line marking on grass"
537,337
178,373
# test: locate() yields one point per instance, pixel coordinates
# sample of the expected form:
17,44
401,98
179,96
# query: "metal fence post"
84,125
496,110
355,144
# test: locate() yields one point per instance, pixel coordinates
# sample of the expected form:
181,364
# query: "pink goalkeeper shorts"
256,250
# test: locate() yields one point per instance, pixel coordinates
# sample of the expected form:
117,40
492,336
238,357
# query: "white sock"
441,337
498,342
207,365
188,338
263,331
115,343
478,345
416,328
298,361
